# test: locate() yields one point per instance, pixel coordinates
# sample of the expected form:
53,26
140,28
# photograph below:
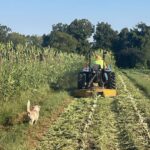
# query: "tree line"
131,47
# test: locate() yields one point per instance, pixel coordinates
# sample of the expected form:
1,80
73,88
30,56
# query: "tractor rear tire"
112,80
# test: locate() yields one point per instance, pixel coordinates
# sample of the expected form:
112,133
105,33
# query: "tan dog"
33,113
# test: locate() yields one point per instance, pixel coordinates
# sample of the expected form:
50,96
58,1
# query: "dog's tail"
28,106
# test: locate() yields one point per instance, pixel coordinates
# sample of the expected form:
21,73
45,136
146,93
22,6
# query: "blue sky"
37,16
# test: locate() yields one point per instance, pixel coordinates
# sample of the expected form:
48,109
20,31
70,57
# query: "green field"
96,123
74,75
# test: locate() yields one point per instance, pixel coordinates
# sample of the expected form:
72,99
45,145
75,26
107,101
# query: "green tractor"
96,79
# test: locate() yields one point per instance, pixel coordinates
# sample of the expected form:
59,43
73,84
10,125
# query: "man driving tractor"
99,61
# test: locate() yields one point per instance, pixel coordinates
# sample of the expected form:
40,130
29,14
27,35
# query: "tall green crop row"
140,78
28,67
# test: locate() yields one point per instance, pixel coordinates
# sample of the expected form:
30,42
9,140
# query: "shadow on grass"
125,141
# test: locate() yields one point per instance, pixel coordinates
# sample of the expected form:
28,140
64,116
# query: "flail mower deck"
95,90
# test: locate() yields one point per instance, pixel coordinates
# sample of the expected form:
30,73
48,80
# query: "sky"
36,17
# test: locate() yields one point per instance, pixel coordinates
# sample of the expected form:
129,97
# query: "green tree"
60,27
123,40
129,58
81,29
104,36
45,40
141,40
16,38
34,40
146,53
83,47
4,30
62,41
132,45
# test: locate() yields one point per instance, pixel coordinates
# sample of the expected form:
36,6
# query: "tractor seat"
96,67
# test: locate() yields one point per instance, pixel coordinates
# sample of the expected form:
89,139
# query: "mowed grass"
140,78
114,125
